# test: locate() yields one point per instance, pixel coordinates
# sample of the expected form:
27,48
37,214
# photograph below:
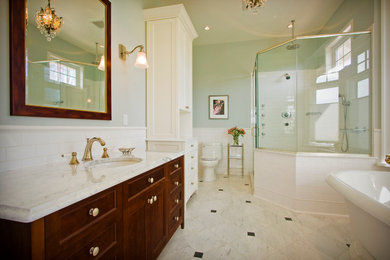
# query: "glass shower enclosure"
313,94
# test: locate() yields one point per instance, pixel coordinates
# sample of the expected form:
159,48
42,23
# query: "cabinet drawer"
175,198
175,180
142,182
104,245
191,145
192,156
70,227
175,165
175,219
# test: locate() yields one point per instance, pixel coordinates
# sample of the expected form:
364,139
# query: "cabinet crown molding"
172,11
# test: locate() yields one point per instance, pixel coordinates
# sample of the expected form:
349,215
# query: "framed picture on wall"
218,107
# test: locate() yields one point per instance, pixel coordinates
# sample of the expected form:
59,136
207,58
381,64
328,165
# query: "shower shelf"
237,157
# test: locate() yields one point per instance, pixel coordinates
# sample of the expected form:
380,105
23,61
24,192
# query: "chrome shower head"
292,46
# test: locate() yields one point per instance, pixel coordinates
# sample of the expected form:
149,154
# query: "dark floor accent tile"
288,219
213,211
225,177
246,184
200,181
248,201
251,234
220,189
348,245
198,254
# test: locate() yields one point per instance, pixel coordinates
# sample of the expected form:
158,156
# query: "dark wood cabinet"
144,218
132,220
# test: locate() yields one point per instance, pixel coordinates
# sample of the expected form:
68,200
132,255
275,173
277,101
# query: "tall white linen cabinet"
169,36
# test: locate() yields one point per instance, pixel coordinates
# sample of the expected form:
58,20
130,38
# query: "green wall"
225,69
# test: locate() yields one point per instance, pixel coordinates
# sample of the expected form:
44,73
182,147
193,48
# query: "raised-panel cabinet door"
134,224
155,221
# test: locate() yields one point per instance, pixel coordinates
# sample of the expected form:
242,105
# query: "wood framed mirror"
61,74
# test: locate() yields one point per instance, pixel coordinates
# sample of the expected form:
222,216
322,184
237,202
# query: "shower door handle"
253,131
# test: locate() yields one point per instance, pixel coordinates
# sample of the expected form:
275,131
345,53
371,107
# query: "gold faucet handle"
105,154
74,160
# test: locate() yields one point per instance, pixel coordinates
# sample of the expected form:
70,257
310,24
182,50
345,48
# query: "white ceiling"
229,23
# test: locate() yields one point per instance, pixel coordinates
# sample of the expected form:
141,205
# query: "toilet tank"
212,151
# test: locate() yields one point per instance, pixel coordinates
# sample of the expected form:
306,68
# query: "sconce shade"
141,61
101,64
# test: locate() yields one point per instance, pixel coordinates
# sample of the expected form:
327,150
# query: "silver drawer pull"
176,183
187,107
150,180
150,201
94,251
94,212
154,198
177,201
176,165
177,218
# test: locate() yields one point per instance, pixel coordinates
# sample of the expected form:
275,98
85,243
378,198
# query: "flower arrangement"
236,133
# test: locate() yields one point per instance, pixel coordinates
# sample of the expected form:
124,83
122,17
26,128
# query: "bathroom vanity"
126,212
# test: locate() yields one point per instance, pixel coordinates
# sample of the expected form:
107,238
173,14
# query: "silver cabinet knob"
187,107
94,251
192,157
192,183
176,183
150,180
154,198
192,168
150,201
192,145
177,218
94,212
176,165
177,201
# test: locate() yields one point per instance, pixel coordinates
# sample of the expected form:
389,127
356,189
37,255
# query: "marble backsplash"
26,146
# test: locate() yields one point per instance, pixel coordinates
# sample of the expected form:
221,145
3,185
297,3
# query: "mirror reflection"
65,56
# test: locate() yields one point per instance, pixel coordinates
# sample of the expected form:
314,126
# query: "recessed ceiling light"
206,28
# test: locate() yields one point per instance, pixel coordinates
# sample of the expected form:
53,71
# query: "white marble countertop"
32,193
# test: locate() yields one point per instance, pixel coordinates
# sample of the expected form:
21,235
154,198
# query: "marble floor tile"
224,234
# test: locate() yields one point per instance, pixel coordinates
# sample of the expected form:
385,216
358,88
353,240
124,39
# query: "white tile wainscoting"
208,135
297,180
26,146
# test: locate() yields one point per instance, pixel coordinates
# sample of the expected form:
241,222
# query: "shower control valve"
286,114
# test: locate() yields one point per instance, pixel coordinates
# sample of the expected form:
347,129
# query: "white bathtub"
368,198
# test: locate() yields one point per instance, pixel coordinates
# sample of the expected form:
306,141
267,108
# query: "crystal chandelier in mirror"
252,5
48,22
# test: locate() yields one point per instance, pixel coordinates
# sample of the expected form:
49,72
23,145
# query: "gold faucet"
88,148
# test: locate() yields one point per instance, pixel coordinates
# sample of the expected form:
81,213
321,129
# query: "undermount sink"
113,162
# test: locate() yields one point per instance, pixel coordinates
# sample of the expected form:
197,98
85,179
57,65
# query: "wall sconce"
141,61
101,62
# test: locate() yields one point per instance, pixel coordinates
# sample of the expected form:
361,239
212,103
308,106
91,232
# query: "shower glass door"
276,80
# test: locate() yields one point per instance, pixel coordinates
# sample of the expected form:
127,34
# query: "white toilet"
211,154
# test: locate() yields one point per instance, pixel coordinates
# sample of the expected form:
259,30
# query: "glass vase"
235,139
